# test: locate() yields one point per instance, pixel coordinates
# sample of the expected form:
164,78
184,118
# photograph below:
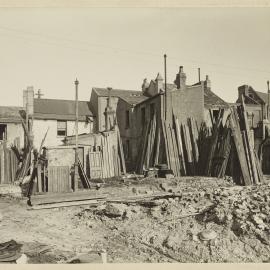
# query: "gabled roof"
263,96
58,109
212,100
10,114
130,96
252,96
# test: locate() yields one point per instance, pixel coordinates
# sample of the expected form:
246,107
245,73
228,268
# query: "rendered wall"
40,127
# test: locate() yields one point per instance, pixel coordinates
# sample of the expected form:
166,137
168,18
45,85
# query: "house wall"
40,127
128,134
257,111
102,104
92,139
94,109
14,130
188,102
207,117
138,124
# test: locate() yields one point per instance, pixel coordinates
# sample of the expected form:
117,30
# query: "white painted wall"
15,130
40,127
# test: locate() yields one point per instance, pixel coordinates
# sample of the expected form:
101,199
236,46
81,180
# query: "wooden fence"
59,179
8,164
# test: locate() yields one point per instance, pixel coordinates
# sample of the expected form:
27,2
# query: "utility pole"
268,93
199,74
165,76
39,94
76,174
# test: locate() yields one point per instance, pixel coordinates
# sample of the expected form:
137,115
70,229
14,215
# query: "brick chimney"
243,90
145,85
180,80
207,82
28,99
159,83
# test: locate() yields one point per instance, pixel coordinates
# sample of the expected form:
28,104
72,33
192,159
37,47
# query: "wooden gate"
95,166
59,179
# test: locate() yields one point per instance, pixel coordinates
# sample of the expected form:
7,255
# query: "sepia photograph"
133,134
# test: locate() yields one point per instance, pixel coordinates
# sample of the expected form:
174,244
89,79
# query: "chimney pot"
181,69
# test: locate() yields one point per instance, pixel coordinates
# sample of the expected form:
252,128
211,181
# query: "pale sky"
48,48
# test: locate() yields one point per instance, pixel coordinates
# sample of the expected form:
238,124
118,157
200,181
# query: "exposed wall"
40,127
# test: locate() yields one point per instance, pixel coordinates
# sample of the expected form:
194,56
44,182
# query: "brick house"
133,109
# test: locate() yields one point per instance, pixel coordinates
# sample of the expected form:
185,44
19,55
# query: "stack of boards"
227,147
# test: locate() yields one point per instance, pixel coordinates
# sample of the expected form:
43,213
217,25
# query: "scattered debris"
10,251
207,235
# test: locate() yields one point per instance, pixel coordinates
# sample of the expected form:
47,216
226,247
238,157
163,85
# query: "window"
152,110
127,119
143,116
61,128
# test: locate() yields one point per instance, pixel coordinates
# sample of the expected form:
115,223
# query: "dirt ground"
162,230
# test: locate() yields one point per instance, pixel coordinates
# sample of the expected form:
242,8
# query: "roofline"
81,118
10,121
150,98
96,88
61,99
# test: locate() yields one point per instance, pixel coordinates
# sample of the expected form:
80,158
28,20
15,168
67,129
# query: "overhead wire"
153,56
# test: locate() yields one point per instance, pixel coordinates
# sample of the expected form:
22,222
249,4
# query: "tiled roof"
130,96
9,114
60,109
263,96
212,100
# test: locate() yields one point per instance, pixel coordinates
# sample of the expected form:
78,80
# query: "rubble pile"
246,211
209,220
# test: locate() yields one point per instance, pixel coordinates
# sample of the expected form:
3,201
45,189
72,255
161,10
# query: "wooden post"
76,174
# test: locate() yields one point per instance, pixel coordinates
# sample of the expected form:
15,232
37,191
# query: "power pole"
268,93
76,174
165,76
